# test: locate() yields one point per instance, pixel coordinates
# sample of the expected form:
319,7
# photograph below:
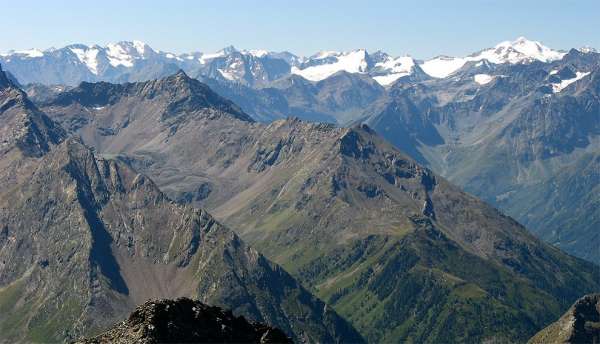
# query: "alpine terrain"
399,251
518,104
84,239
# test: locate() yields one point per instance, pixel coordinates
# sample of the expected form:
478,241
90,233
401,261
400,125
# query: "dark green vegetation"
84,239
399,251
186,321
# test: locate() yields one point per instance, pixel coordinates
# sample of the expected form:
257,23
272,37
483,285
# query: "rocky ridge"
186,321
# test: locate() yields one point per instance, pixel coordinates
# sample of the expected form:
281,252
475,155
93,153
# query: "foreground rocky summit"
581,324
186,321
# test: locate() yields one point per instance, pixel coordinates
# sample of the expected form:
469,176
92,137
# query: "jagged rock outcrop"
579,325
186,321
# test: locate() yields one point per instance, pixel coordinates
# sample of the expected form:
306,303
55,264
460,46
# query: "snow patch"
30,53
205,57
117,56
395,67
227,75
441,67
257,53
386,80
140,47
351,62
557,87
88,57
482,79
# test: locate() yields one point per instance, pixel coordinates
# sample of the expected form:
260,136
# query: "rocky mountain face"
394,247
523,137
84,239
580,324
186,321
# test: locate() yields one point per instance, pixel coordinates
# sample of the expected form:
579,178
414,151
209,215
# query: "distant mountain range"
136,61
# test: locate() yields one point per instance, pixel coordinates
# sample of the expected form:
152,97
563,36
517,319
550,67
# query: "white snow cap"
442,66
30,53
483,79
88,56
125,53
520,50
256,52
352,62
557,87
394,69
517,51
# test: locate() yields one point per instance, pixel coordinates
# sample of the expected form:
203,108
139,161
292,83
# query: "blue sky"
420,28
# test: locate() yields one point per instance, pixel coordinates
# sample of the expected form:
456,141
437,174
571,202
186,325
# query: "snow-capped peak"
326,63
205,58
118,55
87,56
520,50
140,47
125,53
29,53
256,52
391,69
588,50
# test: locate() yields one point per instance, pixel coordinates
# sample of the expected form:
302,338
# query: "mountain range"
523,137
345,169
85,239
137,61
519,104
392,246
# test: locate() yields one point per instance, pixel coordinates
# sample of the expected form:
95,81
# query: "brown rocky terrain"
579,325
84,240
398,250
186,321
